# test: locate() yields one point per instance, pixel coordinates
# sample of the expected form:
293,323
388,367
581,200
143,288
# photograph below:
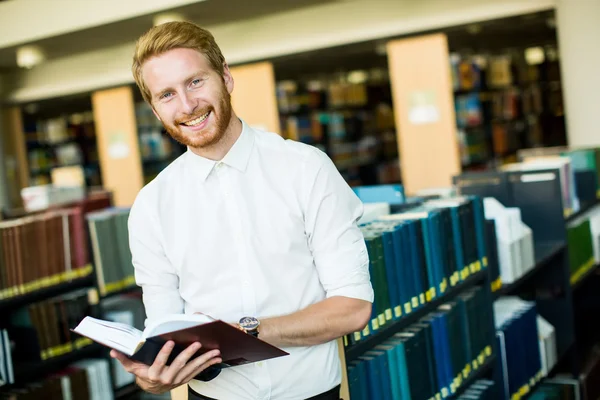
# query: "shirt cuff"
361,292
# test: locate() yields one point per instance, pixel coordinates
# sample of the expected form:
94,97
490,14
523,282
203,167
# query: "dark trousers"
333,394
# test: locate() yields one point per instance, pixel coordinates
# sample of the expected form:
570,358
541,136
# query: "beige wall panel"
254,98
16,164
117,139
424,111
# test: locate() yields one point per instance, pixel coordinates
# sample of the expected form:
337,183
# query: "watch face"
249,323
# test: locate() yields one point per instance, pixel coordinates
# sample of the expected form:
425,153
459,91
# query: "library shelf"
133,289
582,279
480,373
356,350
544,254
29,371
583,209
47,292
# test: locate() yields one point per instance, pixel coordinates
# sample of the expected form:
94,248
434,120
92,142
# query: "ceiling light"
534,55
167,17
29,56
474,29
357,77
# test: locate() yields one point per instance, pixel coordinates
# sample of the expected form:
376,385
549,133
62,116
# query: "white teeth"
197,120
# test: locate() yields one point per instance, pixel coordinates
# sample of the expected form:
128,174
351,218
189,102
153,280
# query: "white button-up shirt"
265,232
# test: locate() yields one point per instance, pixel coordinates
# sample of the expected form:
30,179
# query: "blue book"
394,372
392,193
400,355
381,358
374,386
361,388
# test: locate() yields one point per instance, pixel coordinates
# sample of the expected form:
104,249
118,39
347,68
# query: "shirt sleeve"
153,270
337,244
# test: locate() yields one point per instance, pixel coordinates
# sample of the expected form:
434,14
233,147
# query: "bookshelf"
60,133
411,229
560,289
38,356
30,371
347,113
46,293
355,350
544,255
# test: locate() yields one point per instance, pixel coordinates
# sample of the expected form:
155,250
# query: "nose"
188,103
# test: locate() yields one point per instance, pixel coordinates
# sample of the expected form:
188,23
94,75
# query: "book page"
171,323
118,336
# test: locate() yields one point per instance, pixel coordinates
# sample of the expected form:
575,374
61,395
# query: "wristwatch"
250,325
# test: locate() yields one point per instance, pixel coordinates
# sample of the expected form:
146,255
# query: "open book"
236,346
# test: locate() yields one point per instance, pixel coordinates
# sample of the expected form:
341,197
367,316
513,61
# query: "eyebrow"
186,80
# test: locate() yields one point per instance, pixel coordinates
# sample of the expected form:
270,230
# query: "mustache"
189,117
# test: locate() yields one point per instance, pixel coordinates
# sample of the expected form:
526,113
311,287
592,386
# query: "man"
244,224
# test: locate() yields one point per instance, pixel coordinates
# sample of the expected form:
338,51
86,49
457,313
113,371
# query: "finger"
180,362
137,368
158,366
198,365
125,361
200,369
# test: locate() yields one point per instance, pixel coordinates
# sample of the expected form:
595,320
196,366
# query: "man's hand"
160,378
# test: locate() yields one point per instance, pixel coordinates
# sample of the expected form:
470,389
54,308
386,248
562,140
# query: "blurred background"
402,92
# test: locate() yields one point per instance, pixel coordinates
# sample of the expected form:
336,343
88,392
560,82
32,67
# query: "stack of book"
518,340
514,240
110,247
59,238
87,379
7,373
570,200
42,330
415,256
431,358
547,342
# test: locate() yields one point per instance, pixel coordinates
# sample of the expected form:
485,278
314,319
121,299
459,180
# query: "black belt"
333,394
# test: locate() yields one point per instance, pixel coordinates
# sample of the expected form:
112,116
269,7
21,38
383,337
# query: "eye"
166,95
196,83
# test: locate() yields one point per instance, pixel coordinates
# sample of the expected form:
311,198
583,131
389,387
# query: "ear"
227,78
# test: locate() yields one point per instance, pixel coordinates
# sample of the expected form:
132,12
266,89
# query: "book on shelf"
7,374
85,379
417,254
514,240
236,347
59,238
518,341
110,249
432,358
566,174
40,331
580,241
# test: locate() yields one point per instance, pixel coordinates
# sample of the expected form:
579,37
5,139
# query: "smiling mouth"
196,121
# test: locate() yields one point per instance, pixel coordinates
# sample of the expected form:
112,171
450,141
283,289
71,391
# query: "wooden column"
345,389
254,98
117,140
14,156
424,111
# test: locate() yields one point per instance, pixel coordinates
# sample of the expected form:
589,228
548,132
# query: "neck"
218,150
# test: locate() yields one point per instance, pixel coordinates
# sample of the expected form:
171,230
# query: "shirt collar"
237,157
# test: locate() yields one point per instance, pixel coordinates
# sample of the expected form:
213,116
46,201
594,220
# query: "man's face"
191,99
